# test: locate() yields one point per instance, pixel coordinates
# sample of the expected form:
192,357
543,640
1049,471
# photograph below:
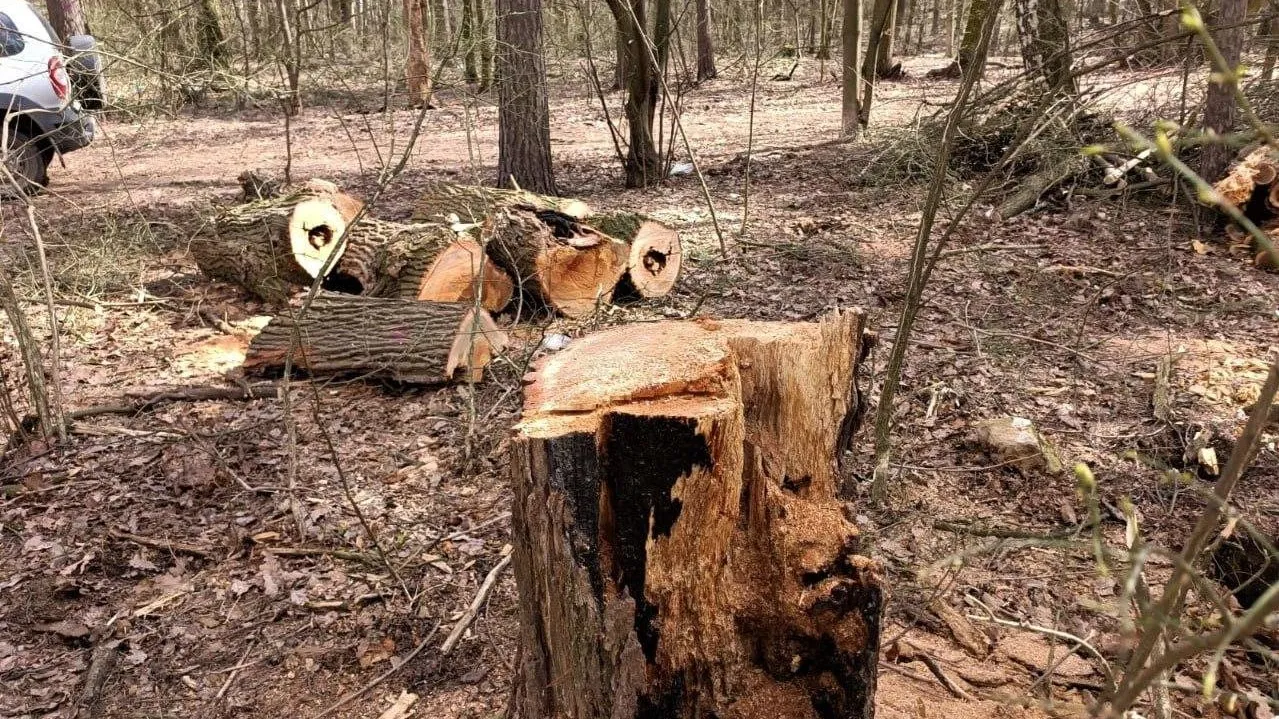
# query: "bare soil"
159,534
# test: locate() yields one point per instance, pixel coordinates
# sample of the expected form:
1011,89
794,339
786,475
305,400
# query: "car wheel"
27,165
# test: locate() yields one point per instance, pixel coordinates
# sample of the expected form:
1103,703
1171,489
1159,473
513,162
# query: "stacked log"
403,340
471,204
680,549
273,245
1252,187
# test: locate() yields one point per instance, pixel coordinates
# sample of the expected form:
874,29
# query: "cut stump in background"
679,546
404,340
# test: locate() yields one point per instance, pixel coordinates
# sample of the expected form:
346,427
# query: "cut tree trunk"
655,256
467,204
404,340
455,274
272,245
680,549
559,263
377,254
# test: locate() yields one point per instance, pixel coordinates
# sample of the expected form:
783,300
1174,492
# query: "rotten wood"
680,548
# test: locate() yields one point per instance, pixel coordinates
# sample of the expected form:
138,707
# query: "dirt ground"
166,538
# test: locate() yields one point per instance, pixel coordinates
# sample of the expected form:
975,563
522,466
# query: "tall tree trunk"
643,163
705,47
1219,105
441,24
1270,39
67,18
1045,43
871,72
468,41
885,66
823,33
620,70
484,30
936,28
417,67
850,36
209,36
523,120
972,32
905,13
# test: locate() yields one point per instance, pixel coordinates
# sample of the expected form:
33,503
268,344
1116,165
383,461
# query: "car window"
11,42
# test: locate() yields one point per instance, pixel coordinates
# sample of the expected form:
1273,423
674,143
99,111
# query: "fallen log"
471,204
378,253
559,262
1257,170
454,274
680,550
655,256
404,340
270,246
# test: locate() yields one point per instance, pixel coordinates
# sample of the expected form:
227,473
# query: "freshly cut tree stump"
270,246
467,204
404,340
562,264
653,263
679,546
452,277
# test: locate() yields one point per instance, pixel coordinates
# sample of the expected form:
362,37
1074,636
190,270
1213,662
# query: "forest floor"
160,535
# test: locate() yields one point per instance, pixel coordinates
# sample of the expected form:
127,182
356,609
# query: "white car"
41,93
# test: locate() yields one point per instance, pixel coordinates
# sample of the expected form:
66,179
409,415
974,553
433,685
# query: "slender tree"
484,32
1045,43
705,48
67,18
467,37
523,119
417,67
210,39
850,36
643,162
1219,104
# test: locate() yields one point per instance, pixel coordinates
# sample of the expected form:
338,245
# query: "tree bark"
483,29
643,163
679,546
457,274
417,66
404,340
705,46
468,41
850,36
67,18
210,39
1045,43
524,125
1219,104
470,204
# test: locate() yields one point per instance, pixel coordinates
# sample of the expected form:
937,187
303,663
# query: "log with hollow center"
405,340
558,261
655,257
679,546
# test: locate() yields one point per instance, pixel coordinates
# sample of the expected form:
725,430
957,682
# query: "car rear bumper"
70,129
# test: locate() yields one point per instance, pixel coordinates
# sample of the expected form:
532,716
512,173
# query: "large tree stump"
472,204
270,246
560,263
655,255
679,547
404,340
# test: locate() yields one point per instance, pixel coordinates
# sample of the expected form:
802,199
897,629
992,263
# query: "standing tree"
417,68
523,120
968,47
1045,43
851,35
879,63
1219,105
467,36
67,18
643,63
209,36
705,48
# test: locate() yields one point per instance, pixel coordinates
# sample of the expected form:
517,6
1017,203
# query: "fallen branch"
325,552
162,544
138,401
379,678
105,655
473,611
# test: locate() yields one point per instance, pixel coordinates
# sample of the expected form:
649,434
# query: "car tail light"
58,77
